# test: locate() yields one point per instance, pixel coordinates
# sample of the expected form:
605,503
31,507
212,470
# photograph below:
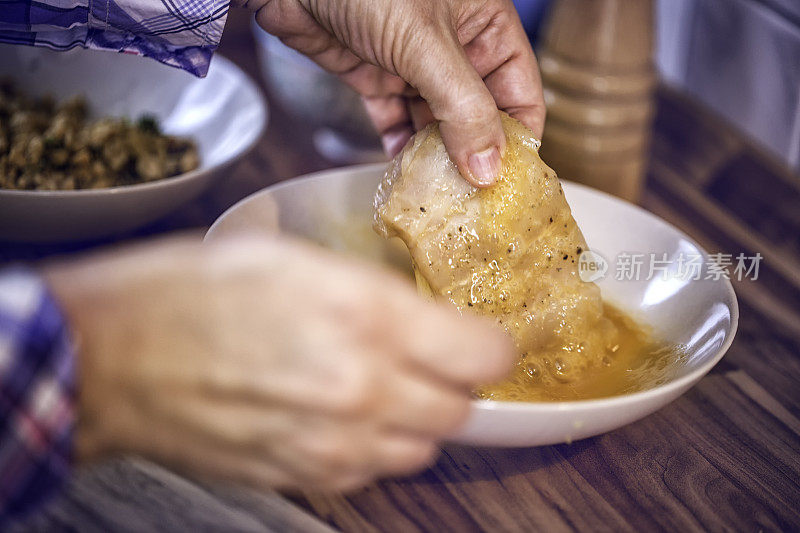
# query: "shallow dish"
223,113
334,208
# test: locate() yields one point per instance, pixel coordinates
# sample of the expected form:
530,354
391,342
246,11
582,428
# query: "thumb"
469,120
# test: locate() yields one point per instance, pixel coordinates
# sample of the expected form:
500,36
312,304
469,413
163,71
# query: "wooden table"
724,456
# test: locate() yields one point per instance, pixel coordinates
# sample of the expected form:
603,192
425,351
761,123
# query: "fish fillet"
509,252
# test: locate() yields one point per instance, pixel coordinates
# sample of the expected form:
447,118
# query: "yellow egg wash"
635,362
510,252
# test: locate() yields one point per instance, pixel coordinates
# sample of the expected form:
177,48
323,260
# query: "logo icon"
592,266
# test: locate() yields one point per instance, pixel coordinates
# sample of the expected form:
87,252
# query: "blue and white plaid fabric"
37,394
180,33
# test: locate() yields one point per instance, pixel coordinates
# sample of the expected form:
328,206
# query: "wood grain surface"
725,456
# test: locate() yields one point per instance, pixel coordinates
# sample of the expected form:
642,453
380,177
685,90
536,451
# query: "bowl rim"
263,112
664,389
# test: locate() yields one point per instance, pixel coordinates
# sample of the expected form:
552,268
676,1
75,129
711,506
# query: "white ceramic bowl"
224,113
700,315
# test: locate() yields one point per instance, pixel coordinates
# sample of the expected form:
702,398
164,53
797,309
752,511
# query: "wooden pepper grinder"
598,74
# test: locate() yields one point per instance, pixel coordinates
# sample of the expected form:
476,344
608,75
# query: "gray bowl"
224,113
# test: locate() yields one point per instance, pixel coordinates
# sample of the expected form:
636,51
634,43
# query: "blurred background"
742,59
739,57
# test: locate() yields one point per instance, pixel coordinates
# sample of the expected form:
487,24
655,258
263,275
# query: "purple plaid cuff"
37,394
179,33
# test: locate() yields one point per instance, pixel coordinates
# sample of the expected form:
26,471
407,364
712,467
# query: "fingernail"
485,166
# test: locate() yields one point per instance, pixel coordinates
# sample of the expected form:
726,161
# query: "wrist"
73,293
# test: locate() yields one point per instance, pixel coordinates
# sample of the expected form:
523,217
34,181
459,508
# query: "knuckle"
327,453
350,483
354,390
491,351
502,358
454,416
416,456
476,109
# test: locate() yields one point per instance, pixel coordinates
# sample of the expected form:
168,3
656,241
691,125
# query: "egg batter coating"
509,252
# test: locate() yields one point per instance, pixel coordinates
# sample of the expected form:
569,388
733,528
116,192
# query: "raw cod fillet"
509,252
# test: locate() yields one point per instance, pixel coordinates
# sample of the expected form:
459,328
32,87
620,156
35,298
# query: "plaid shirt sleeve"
180,33
37,393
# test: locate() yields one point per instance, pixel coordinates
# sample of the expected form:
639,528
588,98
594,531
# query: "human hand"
267,362
457,61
